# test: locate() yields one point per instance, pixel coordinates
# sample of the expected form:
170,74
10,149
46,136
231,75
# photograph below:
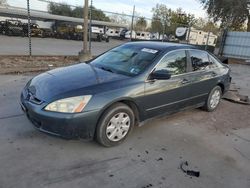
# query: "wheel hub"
215,99
118,126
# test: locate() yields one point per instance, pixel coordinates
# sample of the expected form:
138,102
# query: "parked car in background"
123,33
129,33
106,97
115,33
35,30
1,27
12,28
141,35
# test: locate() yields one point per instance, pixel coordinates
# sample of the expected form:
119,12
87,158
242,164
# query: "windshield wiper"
106,69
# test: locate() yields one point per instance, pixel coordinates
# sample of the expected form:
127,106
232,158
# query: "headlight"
69,105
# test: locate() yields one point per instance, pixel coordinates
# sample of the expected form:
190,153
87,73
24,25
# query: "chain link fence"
59,30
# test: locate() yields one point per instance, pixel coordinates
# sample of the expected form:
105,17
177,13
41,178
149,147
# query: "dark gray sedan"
106,97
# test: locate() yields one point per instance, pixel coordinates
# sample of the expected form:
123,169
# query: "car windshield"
128,60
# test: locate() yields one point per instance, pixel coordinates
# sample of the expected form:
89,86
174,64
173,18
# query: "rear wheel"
115,125
213,99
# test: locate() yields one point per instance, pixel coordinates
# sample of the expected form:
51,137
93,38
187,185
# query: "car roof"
161,45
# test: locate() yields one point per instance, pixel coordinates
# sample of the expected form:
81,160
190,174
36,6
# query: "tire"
213,99
117,120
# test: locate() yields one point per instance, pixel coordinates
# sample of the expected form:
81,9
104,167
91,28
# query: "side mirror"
160,75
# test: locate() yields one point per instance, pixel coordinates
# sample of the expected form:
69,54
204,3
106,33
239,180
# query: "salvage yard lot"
50,46
216,144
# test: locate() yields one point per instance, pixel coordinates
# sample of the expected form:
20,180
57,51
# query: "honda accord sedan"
103,99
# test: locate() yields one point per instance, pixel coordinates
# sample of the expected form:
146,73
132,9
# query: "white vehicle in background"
143,35
113,32
128,34
196,37
140,35
98,34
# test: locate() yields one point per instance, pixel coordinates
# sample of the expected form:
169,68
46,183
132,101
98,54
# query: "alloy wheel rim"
215,99
118,126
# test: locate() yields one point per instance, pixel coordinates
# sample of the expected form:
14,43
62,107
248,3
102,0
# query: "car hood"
71,80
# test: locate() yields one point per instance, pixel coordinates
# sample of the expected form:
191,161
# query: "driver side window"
174,63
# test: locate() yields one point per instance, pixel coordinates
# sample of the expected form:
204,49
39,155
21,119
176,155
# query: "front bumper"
80,125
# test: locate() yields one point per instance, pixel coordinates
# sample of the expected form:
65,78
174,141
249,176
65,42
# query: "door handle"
185,81
213,74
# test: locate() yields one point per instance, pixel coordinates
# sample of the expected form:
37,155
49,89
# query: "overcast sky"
143,7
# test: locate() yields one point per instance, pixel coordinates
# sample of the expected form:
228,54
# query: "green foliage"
66,10
99,15
231,13
59,9
3,2
166,20
122,18
207,26
77,12
161,18
141,24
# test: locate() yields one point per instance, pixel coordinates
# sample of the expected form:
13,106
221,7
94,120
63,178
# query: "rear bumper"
69,126
227,84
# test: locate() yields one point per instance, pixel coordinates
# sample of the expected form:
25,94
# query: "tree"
167,20
232,14
3,2
119,18
160,19
77,12
179,18
59,9
99,15
207,26
141,24
66,10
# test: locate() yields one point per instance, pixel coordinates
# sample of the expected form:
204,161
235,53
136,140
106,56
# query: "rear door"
202,75
162,96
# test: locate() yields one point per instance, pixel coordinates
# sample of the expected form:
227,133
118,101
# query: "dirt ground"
25,64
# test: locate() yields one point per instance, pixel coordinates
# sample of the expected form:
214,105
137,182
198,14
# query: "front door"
163,96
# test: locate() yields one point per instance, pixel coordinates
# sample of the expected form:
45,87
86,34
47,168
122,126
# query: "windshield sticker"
135,70
149,50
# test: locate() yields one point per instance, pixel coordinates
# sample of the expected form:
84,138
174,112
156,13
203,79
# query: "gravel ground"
216,144
50,46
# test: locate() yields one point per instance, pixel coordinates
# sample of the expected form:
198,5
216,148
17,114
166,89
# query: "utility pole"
132,23
85,55
90,24
29,31
85,27
206,47
248,21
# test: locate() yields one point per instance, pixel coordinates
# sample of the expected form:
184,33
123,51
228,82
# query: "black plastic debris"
183,167
234,96
149,185
160,159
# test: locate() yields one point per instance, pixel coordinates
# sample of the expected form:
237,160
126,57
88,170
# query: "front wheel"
213,99
115,125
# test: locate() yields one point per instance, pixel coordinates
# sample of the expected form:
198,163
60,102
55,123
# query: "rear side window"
174,62
214,63
199,60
